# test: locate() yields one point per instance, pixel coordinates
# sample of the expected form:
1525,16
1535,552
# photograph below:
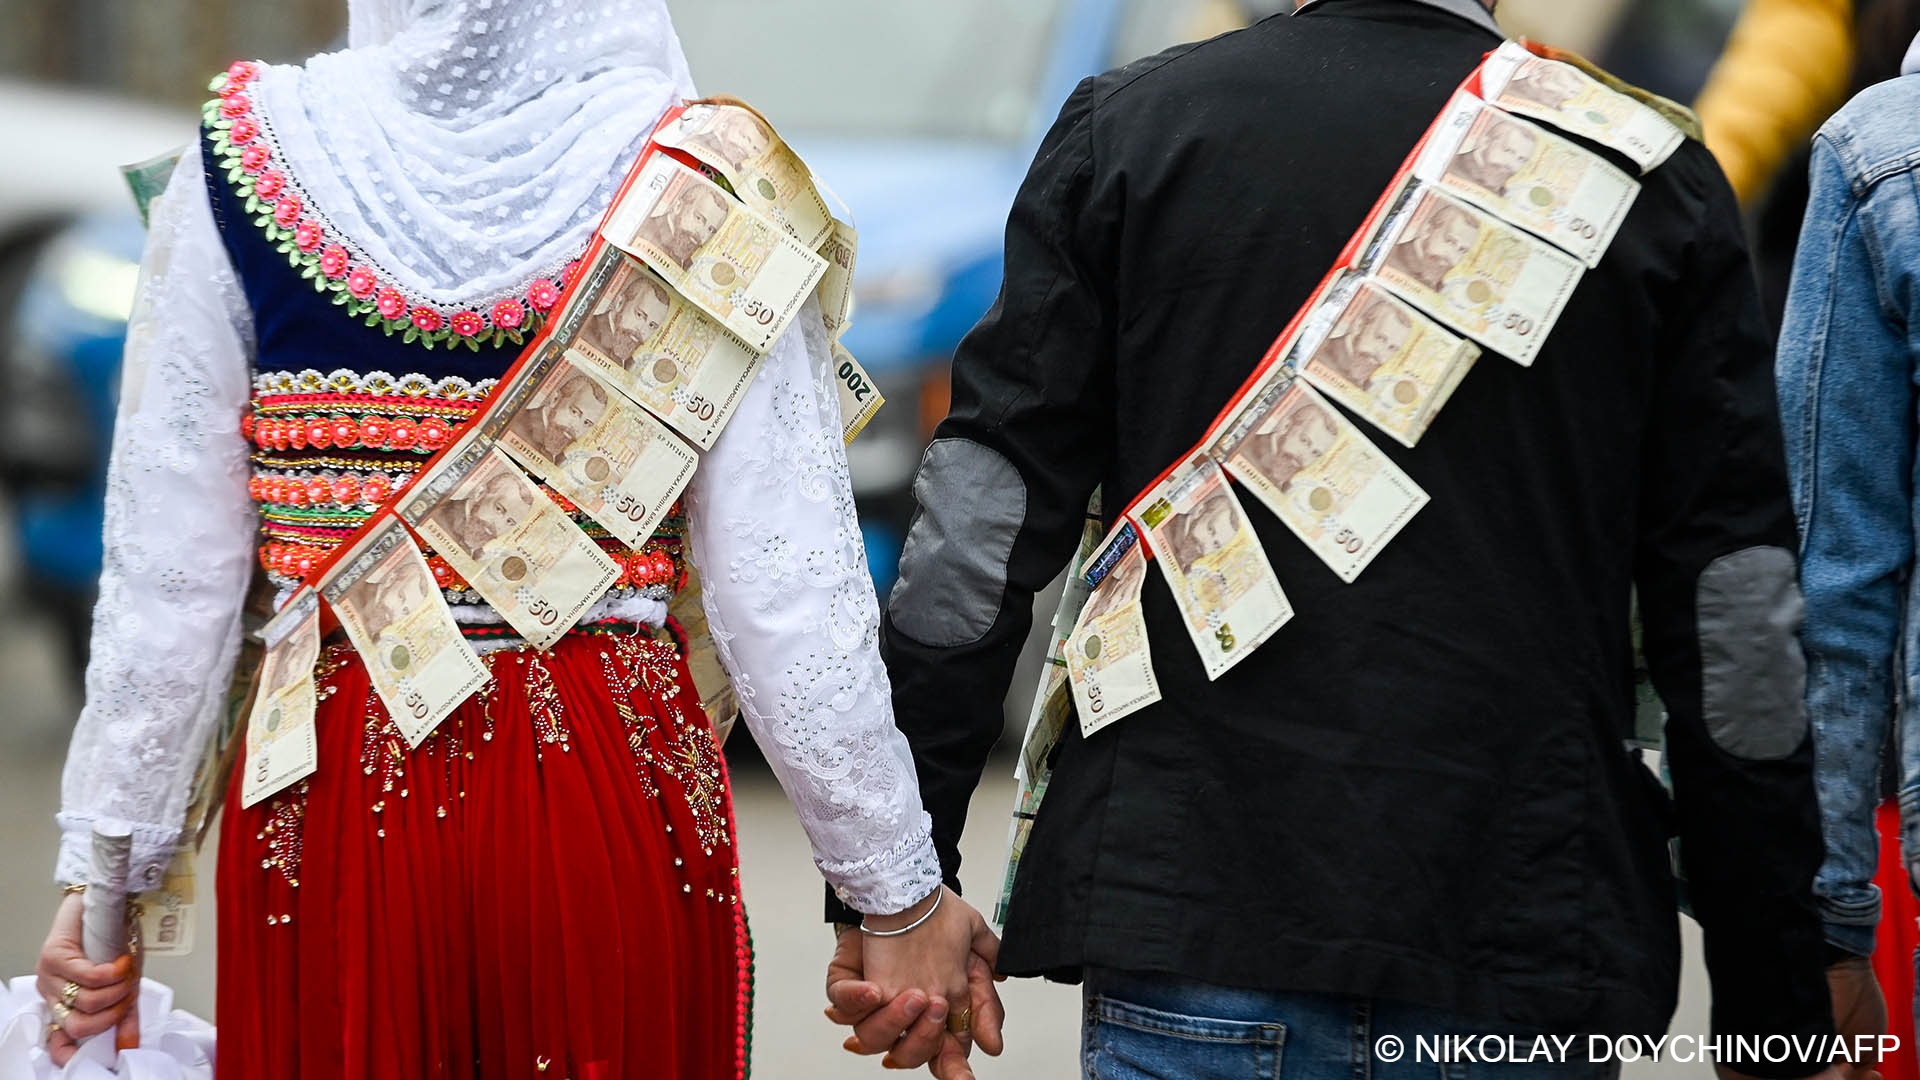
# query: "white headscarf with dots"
468,146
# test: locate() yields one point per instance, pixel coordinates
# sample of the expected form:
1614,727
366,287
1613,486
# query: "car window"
1149,26
876,68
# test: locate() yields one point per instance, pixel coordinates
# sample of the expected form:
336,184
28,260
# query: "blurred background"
921,116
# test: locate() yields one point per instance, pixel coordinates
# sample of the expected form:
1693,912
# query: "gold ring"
60,1012
70,993
961,1022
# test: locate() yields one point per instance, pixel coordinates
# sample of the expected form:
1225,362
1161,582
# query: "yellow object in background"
1786,67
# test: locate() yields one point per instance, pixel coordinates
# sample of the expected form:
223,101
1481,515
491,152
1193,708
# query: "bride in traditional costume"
548,884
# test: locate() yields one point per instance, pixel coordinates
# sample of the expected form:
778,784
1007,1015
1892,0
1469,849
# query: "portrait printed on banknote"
762,170
1528,176
688,214
1381,358
656,347
1475,274
608,456
392,610
282,745
736,264
1225,588
1562,95
1318,473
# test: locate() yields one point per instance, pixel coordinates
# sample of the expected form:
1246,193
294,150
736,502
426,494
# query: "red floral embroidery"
241,143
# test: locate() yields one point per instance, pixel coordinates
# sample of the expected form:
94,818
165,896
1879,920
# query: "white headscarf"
465,147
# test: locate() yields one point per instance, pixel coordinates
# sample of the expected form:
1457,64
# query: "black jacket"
1419,789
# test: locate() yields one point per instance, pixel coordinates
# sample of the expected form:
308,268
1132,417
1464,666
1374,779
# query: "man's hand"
870,991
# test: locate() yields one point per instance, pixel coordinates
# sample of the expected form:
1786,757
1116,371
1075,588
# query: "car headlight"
95,282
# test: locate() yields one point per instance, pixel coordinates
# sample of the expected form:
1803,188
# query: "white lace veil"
468,146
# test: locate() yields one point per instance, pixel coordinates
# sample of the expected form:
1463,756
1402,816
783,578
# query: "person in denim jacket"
1849,358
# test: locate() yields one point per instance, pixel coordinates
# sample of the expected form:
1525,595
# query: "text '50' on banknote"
1317,472
1222,582
1109,663
282,745
588,442
1528,176
1479,276
1379,357
734,263
1571,100
763,171
658,348
386,598
508,539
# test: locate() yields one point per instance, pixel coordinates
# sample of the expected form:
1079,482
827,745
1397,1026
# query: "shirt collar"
1471,10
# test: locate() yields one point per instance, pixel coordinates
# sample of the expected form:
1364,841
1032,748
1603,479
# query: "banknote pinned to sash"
1109,663
1529,176
1481,277
386,599
282,746
736,264
1226,590
1566,97
841,251
762,170
1053,698
165,916
859,398
656,346
1379,357
610,457
1026,808
508,539
1317,472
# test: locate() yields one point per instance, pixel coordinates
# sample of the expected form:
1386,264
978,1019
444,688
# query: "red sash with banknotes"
1477,244
713,243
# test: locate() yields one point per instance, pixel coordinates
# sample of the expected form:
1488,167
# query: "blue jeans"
1161,1027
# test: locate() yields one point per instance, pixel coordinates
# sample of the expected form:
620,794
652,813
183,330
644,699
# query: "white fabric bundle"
174,1045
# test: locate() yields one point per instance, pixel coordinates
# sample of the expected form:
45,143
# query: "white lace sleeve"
179,534
794,619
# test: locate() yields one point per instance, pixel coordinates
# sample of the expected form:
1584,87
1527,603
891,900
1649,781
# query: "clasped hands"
899,993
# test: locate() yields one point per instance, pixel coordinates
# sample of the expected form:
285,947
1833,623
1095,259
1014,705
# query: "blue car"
922,117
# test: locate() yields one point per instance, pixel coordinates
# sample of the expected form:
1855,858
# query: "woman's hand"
898,992
108,995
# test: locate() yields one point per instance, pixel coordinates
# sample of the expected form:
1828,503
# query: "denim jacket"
1849,359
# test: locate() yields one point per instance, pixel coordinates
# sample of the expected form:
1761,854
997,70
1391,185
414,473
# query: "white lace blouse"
772,529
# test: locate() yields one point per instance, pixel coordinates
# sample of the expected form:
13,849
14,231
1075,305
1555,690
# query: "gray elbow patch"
953,571
1753,676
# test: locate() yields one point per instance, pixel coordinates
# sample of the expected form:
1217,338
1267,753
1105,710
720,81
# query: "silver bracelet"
938,897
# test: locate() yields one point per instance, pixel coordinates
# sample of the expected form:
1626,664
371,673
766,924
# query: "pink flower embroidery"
306,235
269,184
391,304
236,105
242,132
361,283
255,157
572,272
241,72
507,314
426,319
333,261
542,294
467,324
287,211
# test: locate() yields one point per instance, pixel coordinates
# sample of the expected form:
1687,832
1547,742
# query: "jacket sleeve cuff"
153,849
892,880
1852,938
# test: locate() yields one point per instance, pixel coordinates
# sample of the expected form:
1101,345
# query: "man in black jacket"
1414,811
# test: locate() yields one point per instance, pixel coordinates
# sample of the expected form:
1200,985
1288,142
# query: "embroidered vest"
347,406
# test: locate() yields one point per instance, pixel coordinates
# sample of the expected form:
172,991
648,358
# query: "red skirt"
545,887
